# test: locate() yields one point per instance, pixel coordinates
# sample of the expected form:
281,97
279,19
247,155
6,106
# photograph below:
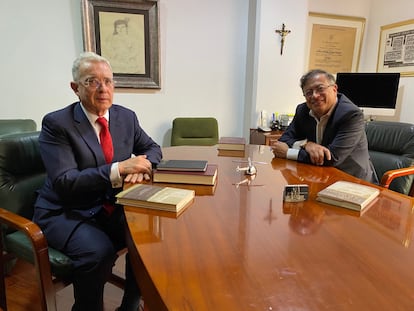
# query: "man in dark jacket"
328,129
76,207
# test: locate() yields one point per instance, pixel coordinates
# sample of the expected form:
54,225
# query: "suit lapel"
87,133
115,124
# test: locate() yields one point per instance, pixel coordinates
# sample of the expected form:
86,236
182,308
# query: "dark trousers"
93,248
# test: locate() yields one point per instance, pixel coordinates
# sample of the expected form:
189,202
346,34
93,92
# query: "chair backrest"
391,146
21,172
8,126
199,131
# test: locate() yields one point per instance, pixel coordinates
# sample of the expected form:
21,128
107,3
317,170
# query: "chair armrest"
390,175
40,252
31,230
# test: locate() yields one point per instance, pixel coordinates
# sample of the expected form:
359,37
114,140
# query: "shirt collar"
326,115
93,117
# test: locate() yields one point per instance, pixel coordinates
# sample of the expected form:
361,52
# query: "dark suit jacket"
78,181
344,136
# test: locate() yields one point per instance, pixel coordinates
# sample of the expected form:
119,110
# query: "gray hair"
86,57
310,74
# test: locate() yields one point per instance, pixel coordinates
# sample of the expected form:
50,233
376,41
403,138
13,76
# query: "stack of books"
231,146
197,172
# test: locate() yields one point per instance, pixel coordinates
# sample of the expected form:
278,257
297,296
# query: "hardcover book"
156,197
348,194
183,165
231,153
208,177
231,143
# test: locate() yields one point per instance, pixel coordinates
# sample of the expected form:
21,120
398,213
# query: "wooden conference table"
242,248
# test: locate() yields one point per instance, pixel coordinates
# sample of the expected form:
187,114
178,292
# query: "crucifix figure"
283,33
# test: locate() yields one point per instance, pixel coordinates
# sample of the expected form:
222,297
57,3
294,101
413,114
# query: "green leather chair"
21,174
391,148
196,131
8,126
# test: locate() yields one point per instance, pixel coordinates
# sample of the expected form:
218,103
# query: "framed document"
396,48
334,42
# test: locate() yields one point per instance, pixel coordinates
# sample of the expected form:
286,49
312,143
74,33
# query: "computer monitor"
375,93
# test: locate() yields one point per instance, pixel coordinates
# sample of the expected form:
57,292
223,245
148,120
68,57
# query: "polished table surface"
242,248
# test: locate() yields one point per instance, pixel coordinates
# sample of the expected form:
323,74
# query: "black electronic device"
375,93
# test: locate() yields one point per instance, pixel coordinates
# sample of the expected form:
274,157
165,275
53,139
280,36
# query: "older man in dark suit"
86,166
328,129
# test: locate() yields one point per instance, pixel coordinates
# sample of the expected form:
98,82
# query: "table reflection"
304,220
244,248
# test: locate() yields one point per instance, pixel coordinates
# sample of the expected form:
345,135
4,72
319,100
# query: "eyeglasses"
95,83
318,90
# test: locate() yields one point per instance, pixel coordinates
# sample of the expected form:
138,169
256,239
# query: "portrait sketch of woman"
123,41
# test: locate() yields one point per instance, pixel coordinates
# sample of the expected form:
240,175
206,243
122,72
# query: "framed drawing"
396,48
126,33
334,42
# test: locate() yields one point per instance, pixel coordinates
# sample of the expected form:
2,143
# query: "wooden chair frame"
48,284
390,175
41,257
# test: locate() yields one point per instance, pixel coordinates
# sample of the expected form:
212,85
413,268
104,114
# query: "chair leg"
117,280
3,301
44,277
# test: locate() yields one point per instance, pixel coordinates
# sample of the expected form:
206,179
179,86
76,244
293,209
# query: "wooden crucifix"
283,33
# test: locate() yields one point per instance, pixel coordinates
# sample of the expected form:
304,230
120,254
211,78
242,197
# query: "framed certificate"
334,42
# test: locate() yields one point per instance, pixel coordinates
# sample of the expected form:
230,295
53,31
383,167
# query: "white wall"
203,47
39,42
385,14
277,75
278,78
206,66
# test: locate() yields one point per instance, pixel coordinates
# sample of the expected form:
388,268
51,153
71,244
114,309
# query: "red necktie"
108,150
106,140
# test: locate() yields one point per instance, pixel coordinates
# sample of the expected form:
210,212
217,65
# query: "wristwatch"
303,145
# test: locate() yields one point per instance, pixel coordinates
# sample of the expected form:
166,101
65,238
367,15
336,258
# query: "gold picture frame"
126,33
396,48
334,42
